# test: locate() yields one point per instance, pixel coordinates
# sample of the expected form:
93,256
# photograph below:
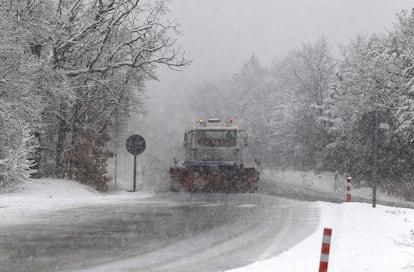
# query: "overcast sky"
220,35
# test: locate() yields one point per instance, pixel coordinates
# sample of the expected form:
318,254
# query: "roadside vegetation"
71,72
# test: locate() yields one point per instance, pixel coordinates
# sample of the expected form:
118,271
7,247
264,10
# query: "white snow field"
364,239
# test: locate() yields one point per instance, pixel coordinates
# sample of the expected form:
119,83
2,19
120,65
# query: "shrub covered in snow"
17,164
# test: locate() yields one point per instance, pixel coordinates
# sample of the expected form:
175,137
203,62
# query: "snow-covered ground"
45,195
377,239
365,239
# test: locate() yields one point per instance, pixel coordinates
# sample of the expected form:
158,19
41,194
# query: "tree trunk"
60,145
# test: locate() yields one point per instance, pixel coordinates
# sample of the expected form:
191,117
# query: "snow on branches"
67,68
18,163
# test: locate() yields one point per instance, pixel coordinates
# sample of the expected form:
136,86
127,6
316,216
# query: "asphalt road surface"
169,232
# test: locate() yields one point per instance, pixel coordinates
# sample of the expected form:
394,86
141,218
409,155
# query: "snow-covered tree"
310,71
374,74
24,26
18,162
69,66
106,51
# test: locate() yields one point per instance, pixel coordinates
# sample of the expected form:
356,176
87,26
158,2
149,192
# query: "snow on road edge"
363,239
39,196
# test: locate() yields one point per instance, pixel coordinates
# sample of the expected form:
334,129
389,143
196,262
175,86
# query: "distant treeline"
315,110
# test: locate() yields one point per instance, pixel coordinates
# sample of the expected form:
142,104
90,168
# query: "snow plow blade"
214,179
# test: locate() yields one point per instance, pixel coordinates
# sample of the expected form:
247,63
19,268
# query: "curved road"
168,232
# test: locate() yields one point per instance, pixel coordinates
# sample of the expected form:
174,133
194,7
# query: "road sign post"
135,145
376,128
375,181
135,173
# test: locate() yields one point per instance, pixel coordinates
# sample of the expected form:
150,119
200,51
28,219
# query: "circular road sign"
135,144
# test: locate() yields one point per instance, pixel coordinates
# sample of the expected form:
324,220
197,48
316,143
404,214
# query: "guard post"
326,246
348,189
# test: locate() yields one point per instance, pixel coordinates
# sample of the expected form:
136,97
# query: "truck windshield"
216,138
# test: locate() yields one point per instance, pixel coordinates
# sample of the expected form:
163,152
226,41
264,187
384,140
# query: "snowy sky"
220,35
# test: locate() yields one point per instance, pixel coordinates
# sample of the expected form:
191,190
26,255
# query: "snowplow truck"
213,160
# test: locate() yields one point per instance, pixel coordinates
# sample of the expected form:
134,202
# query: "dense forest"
71,71
349,111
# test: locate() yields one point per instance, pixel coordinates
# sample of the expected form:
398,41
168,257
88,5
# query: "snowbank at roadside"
328,184
365,239
44,195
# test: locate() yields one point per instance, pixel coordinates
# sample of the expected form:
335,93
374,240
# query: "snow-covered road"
55,225
168,232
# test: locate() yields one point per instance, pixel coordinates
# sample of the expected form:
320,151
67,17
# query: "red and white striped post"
326,245
348,189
